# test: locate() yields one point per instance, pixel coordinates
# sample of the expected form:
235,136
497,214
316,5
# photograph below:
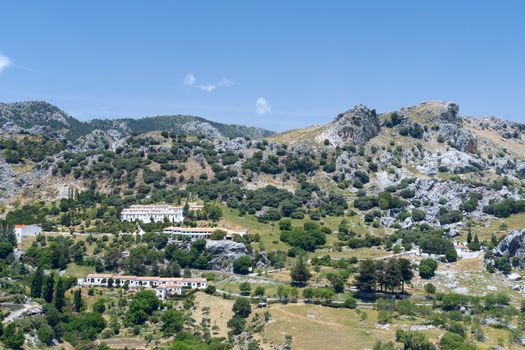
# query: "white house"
201,232
152,213
163,286
22,231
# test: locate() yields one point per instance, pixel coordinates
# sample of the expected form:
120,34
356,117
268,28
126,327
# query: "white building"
22,231
201,232
152,213
163,286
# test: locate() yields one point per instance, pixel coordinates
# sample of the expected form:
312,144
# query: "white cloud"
189,79
208,87
4,62
262,105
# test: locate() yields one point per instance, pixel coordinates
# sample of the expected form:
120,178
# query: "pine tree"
60,295
77,300
47,288
406,272
469,235
380,274
494,240
300,273
393,276
36,283
366,278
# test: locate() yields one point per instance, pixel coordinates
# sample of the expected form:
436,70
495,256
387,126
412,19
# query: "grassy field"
218,310
270,232
360,253
79,271
317,327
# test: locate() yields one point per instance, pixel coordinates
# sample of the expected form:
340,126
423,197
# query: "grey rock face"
459,137
357,126
224,253
513,245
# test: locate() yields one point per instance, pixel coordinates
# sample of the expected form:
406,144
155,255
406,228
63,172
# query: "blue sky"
274,64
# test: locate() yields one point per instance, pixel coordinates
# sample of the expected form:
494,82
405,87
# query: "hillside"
379,230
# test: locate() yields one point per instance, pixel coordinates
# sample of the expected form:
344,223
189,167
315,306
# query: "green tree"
236,324
245,288
430,288
242,265
77,300
338,280
142,305
451,255
60,300
453,341
172,321
427,268
366,277
45,334
259,291
5,249
99,306
300,273
13,338
48,287
414,340
36,283
406,272
241,307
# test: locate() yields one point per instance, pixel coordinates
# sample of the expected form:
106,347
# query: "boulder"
514,246
224,253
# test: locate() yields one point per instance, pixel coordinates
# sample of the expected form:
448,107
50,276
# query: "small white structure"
22,231
164,286
201,232
152,213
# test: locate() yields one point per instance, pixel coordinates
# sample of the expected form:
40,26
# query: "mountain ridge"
40,116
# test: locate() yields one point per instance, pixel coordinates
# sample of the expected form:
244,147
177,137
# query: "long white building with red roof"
163,286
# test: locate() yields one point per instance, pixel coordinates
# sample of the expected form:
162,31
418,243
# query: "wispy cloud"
262,106
226,82
4,62
191,81
208,87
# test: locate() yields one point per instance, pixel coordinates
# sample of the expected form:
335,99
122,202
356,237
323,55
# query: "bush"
427,267
242,265
350,302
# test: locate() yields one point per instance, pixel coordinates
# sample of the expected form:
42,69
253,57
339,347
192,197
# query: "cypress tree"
60,295
47,288
77,300
36,283
469,235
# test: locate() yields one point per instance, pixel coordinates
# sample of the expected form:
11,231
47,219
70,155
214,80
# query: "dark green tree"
60,300
242,307
48,287
300,273
77,300
36,283
172,321
366,277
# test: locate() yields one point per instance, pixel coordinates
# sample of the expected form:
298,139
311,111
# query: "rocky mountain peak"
357,126
434,111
